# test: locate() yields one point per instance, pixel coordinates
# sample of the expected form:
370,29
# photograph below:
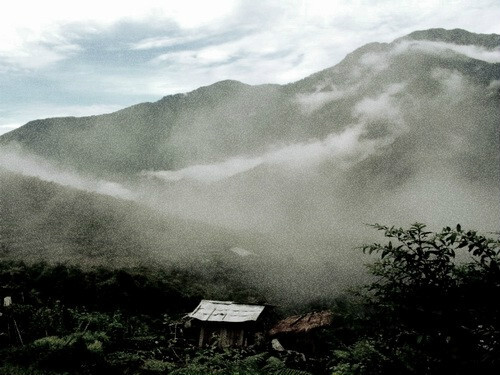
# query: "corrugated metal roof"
226,311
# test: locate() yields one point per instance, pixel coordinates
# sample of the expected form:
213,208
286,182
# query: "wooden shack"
301,333
227,323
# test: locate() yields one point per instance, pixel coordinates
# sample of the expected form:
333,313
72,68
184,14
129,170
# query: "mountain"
230,118
395,133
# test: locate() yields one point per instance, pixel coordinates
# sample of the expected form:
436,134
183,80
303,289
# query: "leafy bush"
437,311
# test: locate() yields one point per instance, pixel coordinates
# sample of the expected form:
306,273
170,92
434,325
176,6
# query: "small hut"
227,323
301,332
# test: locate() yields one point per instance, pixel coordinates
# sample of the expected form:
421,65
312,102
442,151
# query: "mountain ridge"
396,132
457,36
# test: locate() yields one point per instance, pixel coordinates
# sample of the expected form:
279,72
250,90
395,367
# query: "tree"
435,300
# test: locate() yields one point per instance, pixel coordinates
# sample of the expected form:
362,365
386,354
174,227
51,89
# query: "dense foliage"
68,319
433,307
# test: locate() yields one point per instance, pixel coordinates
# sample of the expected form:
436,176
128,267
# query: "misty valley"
343,224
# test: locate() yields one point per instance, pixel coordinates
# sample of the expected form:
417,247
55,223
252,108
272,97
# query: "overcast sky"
76,58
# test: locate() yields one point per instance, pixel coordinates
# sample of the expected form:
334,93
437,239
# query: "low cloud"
474,52
210,172
378,61
343,147
381,107
13,159
453,84
346,147
311,102
494,85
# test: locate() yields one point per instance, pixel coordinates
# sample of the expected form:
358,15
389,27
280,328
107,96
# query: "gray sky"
76,58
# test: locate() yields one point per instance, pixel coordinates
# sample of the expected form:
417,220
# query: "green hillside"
46,221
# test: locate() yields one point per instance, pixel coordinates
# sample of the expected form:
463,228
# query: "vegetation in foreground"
433,307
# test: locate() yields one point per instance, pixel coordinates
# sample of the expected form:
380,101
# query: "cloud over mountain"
396,132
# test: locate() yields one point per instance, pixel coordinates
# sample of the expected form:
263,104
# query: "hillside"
46,221
396,133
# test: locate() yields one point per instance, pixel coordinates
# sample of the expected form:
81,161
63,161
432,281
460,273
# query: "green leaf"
451,238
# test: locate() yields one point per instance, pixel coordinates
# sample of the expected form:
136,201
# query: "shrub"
438,313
